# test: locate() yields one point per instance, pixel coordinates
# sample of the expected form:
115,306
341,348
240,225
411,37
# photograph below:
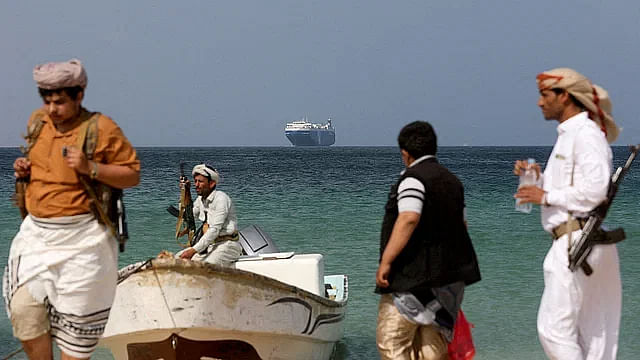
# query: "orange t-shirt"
54,189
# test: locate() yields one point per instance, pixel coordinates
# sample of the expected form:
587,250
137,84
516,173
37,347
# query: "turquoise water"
330,201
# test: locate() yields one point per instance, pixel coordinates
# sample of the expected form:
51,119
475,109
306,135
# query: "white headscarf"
206,171
593,97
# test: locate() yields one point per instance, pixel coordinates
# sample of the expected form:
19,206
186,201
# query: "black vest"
439,251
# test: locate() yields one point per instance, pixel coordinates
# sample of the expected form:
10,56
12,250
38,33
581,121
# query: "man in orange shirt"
61,277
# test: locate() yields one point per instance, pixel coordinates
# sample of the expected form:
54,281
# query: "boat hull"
177,302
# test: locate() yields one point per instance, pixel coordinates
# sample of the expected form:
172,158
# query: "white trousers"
223,253
579,315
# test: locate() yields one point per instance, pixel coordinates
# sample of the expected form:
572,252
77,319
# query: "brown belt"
231,237
566,227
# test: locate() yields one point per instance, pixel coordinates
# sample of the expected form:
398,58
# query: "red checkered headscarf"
594,98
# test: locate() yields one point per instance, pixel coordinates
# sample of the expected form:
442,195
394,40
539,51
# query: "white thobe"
218,212
579,315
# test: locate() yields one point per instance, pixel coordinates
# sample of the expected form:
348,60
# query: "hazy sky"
232,73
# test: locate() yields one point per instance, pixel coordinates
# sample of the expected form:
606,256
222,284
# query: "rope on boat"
131,269
164,297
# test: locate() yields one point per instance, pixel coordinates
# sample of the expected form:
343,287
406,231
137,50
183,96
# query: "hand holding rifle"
185,202
22,171
185,211
22,168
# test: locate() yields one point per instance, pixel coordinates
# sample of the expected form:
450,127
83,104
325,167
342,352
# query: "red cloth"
461,347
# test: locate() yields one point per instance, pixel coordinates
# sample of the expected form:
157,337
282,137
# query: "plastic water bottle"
527,177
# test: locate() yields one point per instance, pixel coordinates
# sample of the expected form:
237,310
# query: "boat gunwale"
197,267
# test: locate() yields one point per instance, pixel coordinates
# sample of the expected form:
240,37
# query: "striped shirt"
411,191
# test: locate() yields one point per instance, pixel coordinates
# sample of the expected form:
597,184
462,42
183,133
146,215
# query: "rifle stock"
592,234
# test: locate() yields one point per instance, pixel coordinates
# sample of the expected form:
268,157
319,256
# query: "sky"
233,73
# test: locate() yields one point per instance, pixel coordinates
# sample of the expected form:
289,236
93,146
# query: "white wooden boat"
277,306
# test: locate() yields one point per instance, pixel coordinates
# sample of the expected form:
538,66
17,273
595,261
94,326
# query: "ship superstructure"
305,133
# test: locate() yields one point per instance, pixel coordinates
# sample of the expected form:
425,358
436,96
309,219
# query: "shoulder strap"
569,212
88,135
34,127
91,137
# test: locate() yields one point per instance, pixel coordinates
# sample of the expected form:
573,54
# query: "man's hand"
76,160
382,275
21,167
188,253
521,165
530,194
402,230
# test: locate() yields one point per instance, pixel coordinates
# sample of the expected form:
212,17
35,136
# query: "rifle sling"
87,145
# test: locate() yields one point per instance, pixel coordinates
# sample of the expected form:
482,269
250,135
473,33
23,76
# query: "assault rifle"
592,233
184,213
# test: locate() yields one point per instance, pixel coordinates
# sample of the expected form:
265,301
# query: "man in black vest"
426,255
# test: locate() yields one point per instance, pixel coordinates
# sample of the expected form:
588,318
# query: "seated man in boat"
219,241
426,255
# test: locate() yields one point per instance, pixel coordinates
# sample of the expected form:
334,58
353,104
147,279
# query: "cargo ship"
305,133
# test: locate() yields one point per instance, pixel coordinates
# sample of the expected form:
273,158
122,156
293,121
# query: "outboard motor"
255,241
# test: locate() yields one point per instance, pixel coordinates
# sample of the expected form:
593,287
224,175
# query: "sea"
331,201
